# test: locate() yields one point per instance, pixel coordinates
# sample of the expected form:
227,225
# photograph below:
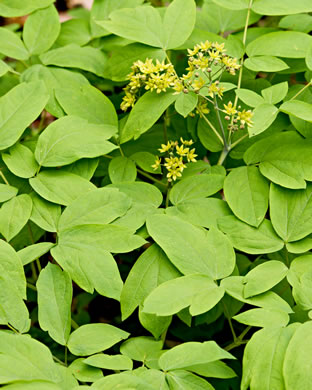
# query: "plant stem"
240,74
212,127
65,358
301,90
31,286
11,327
58,360
151,177
223,156
238,141
4,178
167,195
74,324
239,340
220,122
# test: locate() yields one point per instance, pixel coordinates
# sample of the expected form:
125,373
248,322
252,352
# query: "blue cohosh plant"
155,192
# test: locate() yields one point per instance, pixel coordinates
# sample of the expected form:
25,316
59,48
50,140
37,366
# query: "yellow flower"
245,117
214,55
191,156
187,143
174,174
229,109
127,101
157,163
202,107
219,47
164,148
181,151
198,84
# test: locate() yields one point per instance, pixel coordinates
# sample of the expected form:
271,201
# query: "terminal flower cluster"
150,76
236,116
177,156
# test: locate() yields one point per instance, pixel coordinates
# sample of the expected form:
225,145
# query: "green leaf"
264,115
122,169
141,349
151,269
185,103
264,357
234,286
301,246
154,324
265,64
200,212
92,338
55,293
84,167
100,206
237,5
109,362
291,212
178,23
123,381
14,215
101,10
87,102
33,252
249,97
53,79
276,93
41,30
141,24
96,241
184,380
64,141
263,318
11,45
191,249
83,372
33,385
4,68
216,369
199,292
74,31
297,22
60,187
289,44
23,358
299,277
13,289
145,160
309,57
190,353
9,8
296,361
298,109
73,56
7,192
119,64
281,7
21,161
247,193
263,277
19,108
145,113
250,239
45,214
196,187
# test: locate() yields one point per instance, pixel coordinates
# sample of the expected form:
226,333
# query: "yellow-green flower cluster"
149,76
237,117
178,155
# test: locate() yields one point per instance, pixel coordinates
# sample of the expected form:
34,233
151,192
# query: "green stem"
240,75
212,127
151,177
58,360
4,178
31,286
11,327
65,358
167,195
42,121
238,141
223,156
301,90
239,340
220,122
74,324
